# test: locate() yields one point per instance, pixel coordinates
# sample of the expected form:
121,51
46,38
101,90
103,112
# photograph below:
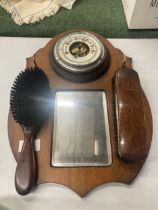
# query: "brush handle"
26,171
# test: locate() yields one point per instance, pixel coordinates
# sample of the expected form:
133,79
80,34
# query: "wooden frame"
80,179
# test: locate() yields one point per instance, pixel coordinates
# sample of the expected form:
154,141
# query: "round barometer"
80,56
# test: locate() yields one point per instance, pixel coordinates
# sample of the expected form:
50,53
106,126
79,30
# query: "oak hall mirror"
99,128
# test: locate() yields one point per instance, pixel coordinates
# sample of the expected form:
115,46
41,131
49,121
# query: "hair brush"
30,103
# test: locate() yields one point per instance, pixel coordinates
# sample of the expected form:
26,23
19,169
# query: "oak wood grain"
133,142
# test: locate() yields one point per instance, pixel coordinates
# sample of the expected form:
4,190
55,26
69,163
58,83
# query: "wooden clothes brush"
30,102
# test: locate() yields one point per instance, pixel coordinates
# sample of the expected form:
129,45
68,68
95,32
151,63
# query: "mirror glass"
81,129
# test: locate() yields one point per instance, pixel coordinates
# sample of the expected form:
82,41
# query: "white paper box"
141,14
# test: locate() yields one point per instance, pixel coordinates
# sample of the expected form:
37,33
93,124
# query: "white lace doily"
31,11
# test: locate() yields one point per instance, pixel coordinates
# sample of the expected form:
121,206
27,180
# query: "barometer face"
81,129
79,52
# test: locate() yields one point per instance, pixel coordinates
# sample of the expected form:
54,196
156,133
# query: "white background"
141,195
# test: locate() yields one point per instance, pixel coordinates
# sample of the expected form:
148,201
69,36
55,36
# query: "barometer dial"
79,53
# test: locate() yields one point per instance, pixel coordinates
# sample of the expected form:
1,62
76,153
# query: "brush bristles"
30,97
